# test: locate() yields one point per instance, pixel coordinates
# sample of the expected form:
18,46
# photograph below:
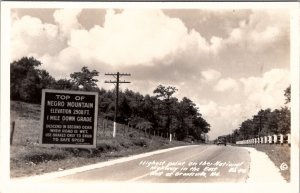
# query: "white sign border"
95,129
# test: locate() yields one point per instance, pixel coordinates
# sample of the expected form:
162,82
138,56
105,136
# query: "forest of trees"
161,113
265,122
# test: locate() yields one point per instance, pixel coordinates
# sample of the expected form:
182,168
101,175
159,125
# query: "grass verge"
35,160
27,158
279,155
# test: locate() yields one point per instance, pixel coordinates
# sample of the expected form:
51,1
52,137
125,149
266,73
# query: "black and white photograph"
147,95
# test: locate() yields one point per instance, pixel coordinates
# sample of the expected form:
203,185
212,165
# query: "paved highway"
197,163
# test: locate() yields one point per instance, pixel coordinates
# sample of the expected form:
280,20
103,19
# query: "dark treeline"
265,122
160,114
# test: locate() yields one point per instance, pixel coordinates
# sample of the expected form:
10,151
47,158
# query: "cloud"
49,42
129,38
267,91
216,44
227,84
159,49
261,31
31,36
209,108
259,92
136,37
210,75
67,20
223,119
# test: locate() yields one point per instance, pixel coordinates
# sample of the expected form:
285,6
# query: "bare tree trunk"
12,132
104,126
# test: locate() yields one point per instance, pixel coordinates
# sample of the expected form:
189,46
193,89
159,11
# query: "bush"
133,134
140,142
189,139
125,143
40,155
108,146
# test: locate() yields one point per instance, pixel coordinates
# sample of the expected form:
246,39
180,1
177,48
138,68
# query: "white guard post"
289,138
115,129
270,139
275,139
281,138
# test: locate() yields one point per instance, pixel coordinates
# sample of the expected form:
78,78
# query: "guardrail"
270,139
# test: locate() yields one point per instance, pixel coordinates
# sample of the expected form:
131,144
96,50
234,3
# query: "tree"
46,80
166,94
159,115
260,122
144,125
85,78
246,129
287,94
63,84
235,135
147,110
284,121
30,91
272,126
186,113
124,110
267,122
136,103
25,80
200,127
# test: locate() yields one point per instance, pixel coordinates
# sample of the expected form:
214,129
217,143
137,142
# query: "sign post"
69,118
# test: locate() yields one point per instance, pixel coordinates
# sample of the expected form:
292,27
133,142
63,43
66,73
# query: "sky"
230,62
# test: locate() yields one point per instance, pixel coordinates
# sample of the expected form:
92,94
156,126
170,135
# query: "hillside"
28,158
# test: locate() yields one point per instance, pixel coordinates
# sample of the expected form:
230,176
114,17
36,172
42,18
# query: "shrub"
140,142
107,146
40,155
125,143
133,134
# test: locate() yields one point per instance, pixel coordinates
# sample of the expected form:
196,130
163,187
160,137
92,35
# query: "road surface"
197,163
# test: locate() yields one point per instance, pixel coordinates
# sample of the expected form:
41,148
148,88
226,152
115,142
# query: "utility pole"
116,83
259,119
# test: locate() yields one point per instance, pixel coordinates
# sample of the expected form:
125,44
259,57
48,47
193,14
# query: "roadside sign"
69,118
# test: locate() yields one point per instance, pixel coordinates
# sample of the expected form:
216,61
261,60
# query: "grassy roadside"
278,154
27,158
34,160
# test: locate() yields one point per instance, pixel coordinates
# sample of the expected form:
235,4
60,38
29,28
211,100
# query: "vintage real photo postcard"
169,97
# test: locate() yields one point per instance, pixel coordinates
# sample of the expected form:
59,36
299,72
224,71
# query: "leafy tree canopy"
85,78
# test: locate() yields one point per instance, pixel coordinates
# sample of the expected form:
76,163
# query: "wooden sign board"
69,118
